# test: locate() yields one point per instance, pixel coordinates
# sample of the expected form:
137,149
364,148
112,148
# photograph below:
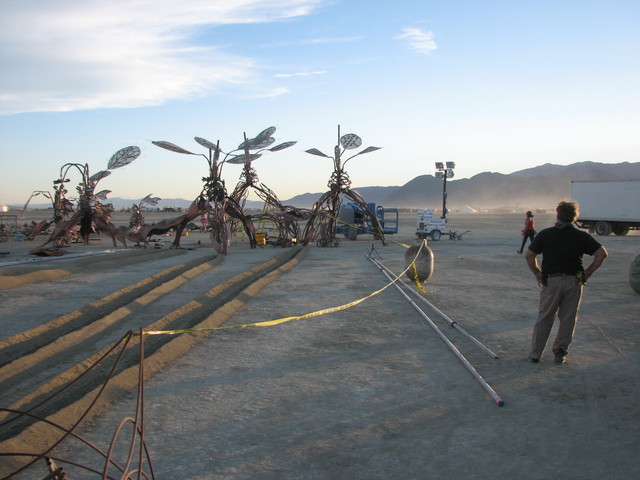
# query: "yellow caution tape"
278,321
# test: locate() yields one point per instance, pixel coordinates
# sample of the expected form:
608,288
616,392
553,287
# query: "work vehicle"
608,206
428,226
353,220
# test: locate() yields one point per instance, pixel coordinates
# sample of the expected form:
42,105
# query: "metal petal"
282,146
350,141
240,159
102,194
256,143
172,147
95,178
266,133
206,143
369,149
315,151
123,157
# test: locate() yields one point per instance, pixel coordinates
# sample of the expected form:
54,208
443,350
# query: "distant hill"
377,195
538,187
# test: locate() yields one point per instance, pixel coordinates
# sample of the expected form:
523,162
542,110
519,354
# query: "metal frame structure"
221,208
322,223
90,212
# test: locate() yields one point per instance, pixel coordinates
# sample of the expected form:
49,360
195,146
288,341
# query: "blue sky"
492,85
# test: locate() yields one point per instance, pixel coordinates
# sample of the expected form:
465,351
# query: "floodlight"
439,174
451,164
440,165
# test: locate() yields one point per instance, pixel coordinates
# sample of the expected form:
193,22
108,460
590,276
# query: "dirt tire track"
209,310
32,340
82,330
11,277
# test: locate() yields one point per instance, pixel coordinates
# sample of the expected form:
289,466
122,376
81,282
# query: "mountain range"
539,187
533,188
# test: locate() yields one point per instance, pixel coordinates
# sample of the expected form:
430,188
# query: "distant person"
561,279
528,232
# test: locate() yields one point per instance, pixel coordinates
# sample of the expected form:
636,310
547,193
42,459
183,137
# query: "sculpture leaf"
369,149
282,146
102,194
350,141
172,147
123,157
256,143
315,151
240,159
206,143
95,178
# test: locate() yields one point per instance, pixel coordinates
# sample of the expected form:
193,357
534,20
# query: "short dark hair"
567,211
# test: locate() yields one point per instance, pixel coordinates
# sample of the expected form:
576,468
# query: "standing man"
561,278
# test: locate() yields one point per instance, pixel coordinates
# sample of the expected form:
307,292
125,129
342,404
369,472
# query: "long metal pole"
453,348
444,195
453,323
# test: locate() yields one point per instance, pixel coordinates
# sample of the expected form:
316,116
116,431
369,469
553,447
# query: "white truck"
608,206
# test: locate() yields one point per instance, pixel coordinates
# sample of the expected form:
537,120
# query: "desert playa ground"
367,392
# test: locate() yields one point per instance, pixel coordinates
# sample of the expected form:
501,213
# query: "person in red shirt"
528,232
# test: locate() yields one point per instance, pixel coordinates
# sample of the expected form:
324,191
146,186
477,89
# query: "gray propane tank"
424,262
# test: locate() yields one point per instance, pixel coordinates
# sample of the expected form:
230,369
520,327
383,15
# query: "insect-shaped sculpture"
90,212
35,229
137,215
219,206
322,224
283,217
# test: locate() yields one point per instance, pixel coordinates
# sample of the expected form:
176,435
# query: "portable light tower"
444,171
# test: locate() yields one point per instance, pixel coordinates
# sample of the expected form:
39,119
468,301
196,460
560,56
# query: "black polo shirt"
562,249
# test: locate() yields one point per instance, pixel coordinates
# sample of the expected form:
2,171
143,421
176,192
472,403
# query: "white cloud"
300,74
420,40
77,54
312,41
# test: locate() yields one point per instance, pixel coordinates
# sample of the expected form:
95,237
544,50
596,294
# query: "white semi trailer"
608,206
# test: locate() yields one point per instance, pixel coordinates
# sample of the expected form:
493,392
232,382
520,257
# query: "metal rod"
453,323
444,338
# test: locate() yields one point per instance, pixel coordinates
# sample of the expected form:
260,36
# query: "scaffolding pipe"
444,338
452,323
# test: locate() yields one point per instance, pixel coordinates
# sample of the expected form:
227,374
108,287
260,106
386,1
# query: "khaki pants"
561,295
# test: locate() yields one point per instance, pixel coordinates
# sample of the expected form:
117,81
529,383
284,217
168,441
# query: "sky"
492,85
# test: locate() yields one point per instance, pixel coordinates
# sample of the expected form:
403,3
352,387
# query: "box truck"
608,206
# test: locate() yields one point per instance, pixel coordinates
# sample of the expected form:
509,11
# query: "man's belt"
552,275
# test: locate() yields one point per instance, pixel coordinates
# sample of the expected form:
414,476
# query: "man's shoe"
560,358
534,360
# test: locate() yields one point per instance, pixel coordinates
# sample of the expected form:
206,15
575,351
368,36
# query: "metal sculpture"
177,224
322,223
91,213
283,217
214,201
137,458
35,229
137,216
137,230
